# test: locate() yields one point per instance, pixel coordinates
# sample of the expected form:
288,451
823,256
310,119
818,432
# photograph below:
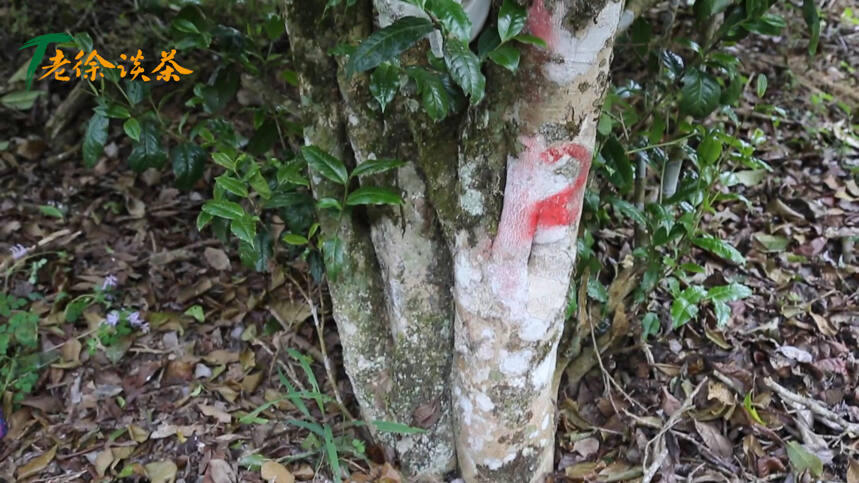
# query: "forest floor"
770,396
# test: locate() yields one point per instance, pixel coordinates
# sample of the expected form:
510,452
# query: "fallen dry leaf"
219,471
714,439
37,464
217,258
219,414
161,471
274,472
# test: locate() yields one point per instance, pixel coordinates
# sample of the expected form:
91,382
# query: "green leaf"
373,195
263,139
511,20
722,312
387,43
705,9
621,174
375,166
729,293
325,164
117,111
464,68
801,459
219,94
530,40
94,139
149,152
628,210
335,256
761,86
232,185
384,84
700,93
131,126
188,163
20,100
649,325
750,409
685,306
452,17
51,211
328,204
720,248
260,185
224,159
396,428
709,149
244,228
487,42
812,19
294,239
432,91
196,311
597,291
203,219
506,56
224,209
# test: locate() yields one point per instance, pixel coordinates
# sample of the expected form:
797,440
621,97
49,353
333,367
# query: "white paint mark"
543,373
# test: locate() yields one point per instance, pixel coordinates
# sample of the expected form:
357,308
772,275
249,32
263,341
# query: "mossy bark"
450,309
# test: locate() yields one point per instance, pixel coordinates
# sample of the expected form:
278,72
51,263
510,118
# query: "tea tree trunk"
450,309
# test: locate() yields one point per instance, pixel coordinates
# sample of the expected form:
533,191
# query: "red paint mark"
540,24
573,150
533,199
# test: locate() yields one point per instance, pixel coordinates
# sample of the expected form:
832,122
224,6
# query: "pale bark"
510,286
475,268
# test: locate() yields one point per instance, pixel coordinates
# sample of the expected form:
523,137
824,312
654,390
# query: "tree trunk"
450,310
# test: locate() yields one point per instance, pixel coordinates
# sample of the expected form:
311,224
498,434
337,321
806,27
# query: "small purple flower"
18,251
144,327
109,282
112,319
134,319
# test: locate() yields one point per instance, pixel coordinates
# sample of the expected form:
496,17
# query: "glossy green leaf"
325,164
452,17
729,293
294,239
224,209
244,228
328,204
511,20
812,19
188,163
506,56
373,195
720,248
530,40
375,166
464,68
131,126
334,255
649,325
433,94
700,93
150,151
384,84
621,174
203,219
94,139
709,149
20,100
232,185
224,159
685,306
761,86
387,43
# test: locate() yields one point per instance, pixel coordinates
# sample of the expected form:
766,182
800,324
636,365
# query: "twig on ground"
812,404
659,439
